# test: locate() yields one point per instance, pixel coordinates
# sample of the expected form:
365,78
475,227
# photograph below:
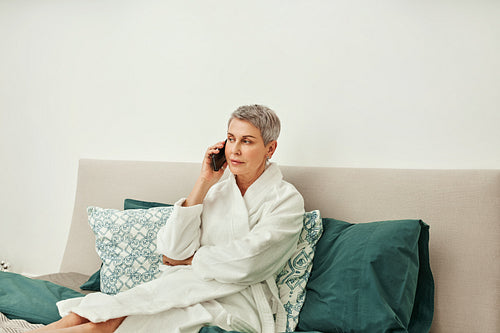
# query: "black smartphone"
219,159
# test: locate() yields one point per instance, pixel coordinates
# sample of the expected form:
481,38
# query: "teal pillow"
30,299
126,244
94,282
370,277
138,204
292,279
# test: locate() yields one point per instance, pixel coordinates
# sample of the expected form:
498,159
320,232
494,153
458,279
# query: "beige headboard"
462,208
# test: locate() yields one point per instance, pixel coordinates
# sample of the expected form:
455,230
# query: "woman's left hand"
172,262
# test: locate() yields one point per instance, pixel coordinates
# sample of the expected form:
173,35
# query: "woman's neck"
245,182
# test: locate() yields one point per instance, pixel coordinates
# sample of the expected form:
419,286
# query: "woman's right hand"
208,177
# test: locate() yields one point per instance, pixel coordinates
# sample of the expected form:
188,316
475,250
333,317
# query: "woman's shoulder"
289,191
283,196
219,189
283,184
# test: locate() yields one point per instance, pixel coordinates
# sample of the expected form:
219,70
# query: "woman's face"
246,153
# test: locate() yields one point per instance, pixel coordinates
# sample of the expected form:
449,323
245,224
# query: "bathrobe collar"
255,193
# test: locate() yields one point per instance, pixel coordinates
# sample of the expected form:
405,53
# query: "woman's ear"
271,148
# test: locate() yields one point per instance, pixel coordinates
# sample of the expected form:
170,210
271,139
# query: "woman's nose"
235,149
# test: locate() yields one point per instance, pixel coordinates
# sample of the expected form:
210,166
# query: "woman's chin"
234,169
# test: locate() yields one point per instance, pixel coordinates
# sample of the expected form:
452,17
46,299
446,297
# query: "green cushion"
93,283
138,204
370,277
30,299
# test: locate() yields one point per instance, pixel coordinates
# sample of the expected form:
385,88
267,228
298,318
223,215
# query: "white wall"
391,84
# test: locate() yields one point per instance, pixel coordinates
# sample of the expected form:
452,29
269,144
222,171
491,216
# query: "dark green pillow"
370,277
30,299
94,282
138,204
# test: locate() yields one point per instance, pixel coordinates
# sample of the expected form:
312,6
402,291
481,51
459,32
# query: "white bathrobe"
239,244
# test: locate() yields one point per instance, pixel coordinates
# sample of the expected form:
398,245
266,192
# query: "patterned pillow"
293,277
126,244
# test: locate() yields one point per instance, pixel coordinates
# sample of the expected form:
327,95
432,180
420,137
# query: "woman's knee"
72,319
107,326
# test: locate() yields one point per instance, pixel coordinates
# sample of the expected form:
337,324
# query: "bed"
451,218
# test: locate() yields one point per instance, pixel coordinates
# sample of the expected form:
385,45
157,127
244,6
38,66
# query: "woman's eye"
230,139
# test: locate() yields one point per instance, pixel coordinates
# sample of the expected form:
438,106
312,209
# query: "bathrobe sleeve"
179,238
263,250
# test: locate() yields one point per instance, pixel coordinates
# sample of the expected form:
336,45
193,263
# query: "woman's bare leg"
70,320
76,324
104,327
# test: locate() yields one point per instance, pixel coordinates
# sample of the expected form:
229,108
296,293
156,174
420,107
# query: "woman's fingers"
216,148
172,262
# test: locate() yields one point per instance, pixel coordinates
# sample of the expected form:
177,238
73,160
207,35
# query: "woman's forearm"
198,193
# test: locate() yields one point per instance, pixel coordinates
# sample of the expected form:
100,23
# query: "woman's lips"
236,162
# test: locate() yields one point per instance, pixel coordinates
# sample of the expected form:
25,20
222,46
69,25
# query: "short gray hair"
261,117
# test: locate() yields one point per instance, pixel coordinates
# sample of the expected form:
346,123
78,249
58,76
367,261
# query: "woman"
222,247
